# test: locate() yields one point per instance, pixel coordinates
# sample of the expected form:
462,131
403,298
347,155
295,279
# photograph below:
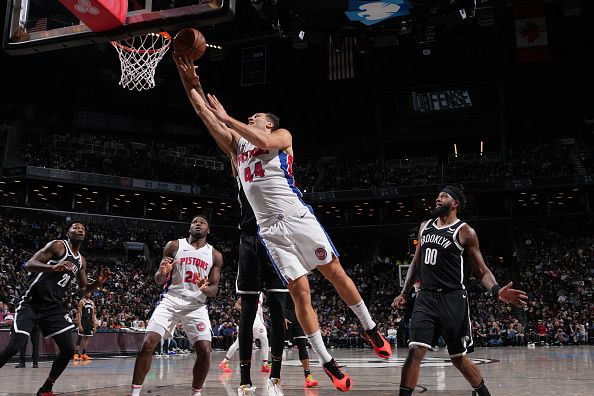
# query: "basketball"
189,43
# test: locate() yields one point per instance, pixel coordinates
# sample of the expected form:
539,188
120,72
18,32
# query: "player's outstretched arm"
280,139
167,262
470,242
39,261
225,138
412,274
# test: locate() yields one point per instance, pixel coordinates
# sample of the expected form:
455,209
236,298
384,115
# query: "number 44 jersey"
48,288
267,180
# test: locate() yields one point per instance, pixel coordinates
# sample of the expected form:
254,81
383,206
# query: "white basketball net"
139,57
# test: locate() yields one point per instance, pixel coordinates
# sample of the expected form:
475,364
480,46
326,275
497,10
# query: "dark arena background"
387,102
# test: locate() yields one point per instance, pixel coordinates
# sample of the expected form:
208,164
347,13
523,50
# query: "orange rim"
166,35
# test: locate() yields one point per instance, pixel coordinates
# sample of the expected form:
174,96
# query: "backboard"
41,25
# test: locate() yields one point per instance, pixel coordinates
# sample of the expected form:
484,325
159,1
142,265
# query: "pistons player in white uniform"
189,272
295,240
260,333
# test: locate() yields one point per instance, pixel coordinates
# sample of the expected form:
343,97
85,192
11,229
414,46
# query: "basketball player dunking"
442,302
189,272
53,268
294,239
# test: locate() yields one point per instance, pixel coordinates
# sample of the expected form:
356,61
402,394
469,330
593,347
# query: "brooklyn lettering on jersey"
244,157
437,239
194,261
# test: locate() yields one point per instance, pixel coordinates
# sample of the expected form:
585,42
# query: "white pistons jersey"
183,278
267,180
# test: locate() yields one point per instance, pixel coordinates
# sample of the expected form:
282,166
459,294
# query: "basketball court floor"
508,371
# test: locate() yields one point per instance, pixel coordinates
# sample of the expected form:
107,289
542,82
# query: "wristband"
495,290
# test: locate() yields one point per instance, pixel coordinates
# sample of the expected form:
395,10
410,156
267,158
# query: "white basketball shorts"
297,243
171,310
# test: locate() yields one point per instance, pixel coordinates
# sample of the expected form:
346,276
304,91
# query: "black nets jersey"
87,309
442,264
247,223
48,288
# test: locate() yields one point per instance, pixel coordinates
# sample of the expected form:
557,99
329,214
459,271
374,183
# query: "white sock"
318,346
196,392
360,309
136,390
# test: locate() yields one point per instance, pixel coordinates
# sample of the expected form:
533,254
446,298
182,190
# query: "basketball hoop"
139,57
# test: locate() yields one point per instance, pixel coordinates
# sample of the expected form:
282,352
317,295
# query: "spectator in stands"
581,336
542,332
7,321
560,338
180,337
495,335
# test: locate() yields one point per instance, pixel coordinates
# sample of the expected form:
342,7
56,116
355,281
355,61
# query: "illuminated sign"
372,12
446,100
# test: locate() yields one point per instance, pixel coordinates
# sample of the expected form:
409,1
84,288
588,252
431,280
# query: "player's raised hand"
187,69
166,265
63,266
399,301
513,296
217,108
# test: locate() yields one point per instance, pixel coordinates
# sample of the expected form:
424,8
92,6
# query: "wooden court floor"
507,371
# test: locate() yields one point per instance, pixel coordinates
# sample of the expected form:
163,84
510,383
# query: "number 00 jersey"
193,264
48,288
442,265
267,180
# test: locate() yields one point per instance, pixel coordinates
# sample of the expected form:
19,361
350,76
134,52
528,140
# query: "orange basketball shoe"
310,382
380,345
340,380
225,367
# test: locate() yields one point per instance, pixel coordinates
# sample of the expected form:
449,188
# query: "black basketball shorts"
52,320
446,313
87,327
255,270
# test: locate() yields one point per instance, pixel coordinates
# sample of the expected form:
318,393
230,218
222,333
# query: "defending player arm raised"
167,262
469,240
412,274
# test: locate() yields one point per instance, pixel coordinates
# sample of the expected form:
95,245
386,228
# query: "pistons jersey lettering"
267,180
193,265
194,261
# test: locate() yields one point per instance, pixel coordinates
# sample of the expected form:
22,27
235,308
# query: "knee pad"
302,347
